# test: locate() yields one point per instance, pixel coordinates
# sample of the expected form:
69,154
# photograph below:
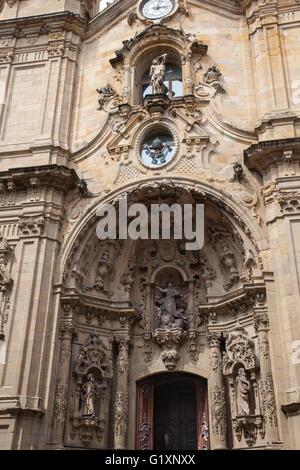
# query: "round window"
157,149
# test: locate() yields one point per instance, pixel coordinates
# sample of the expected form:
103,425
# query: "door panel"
172,413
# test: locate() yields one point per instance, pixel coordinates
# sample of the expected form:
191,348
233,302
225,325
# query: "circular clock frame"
160,15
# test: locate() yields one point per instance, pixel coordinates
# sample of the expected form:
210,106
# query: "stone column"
66,331
217,403
121,396
187,74
127,84
267,388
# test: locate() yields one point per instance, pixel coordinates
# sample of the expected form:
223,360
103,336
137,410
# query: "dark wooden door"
172,413
175,416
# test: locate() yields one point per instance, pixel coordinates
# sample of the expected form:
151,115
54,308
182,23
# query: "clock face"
155,9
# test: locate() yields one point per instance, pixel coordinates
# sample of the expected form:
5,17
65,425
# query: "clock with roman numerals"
156,9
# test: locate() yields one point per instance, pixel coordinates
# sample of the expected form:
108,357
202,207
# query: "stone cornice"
54,176
260,156
17,27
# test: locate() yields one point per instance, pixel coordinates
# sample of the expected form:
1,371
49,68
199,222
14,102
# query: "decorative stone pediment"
185,43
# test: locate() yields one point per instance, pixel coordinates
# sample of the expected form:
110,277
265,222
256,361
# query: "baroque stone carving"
212,78
31,226
239,362
218,407
89,417
170,341
107,98
121,413
103,270
238,173
171,305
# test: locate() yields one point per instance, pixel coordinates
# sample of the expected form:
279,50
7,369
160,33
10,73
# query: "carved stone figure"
171,307
157,75
89,394
83,188
104,268
238,173
212,78
105,93
242,393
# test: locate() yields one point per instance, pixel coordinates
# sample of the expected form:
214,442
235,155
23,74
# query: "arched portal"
140,308
172,413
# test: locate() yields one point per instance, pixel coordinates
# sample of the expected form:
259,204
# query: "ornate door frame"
145,412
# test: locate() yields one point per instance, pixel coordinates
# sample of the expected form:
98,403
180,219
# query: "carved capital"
261,322
31,226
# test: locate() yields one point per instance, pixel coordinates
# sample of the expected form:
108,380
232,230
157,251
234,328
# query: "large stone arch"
113,299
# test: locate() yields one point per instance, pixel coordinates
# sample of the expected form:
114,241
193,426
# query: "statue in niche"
157,75
103,270
212,78
89,393
242,393
171,305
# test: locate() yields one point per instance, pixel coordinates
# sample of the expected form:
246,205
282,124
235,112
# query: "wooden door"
172,413
144,430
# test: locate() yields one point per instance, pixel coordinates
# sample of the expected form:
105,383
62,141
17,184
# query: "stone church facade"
143,344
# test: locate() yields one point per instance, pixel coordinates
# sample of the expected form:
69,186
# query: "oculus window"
157,149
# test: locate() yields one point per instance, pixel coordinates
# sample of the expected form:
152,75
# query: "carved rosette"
170,342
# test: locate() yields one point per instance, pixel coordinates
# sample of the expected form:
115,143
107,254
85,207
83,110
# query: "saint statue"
170,312
242,393
157,75
89,392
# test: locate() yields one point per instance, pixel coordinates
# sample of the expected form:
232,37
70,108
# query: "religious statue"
171,306
88,393
104,94
157,75
103,270
242,393
212,78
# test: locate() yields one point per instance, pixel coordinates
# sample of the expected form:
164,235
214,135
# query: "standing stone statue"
88,396
242,393
157,75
